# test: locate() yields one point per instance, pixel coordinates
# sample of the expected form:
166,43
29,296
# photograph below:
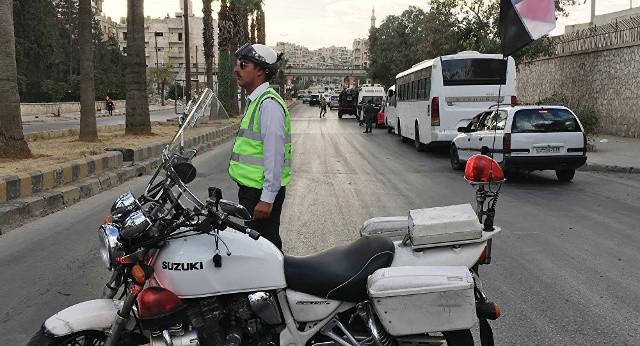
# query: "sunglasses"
243,64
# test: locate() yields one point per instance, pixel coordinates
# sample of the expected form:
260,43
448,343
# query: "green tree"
138,120
12,142
39,49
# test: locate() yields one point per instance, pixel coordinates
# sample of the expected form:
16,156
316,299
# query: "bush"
586,110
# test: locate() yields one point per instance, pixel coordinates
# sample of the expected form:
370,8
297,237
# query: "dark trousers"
368,122
268,228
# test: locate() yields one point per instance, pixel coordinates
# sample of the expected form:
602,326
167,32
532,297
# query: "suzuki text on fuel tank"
185,273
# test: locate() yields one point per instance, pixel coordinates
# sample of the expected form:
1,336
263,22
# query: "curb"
38,193
598,167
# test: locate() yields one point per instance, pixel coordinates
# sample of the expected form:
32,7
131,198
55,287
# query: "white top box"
443,224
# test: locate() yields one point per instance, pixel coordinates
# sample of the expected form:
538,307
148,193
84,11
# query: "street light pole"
155,37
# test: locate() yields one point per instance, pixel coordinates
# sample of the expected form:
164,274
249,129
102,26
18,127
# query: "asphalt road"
565,268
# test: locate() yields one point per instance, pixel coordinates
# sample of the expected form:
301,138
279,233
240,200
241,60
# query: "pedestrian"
323,106
109,105
261,159
360,113
369,112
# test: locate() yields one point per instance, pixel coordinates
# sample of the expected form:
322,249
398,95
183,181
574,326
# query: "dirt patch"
47,152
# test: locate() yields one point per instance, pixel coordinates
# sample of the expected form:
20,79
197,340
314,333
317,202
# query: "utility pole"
593,11
197,73
187,52
155,37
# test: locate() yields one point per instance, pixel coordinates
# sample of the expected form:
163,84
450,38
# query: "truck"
348,102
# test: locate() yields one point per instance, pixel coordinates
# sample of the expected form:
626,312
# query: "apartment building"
165,46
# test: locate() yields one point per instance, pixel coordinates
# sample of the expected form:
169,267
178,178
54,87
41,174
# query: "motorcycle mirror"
185,171
235,209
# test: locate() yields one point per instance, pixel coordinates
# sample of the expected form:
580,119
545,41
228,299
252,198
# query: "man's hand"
262,210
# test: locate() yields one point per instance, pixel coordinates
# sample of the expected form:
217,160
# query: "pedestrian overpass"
324,72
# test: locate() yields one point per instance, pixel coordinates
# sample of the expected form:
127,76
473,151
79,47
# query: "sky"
325,23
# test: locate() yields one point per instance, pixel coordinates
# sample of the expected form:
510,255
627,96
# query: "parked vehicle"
373,94
348,102
437,96
380,117
184,273
306,99
333,102
390,111
525,138
314,100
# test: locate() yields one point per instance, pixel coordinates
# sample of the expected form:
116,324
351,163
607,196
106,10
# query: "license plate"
548,150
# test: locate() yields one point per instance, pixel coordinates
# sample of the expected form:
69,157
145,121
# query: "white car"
525,138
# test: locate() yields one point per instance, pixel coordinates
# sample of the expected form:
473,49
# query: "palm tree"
138,120
208,35
261,35
225,28
12,142
88,129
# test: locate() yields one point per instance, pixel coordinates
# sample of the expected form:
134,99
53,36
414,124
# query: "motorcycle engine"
249,317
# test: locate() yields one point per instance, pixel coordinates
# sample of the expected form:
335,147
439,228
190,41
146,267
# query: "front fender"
98,314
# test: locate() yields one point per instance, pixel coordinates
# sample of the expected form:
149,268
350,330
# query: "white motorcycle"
185,273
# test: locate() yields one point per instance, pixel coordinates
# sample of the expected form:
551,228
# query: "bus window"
474,71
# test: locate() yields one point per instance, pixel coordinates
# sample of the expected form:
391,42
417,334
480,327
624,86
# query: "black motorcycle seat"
340,273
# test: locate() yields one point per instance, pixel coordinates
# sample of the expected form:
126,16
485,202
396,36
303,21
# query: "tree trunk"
12,142
208,35
138,120
187,53
224,56
261,30
88,129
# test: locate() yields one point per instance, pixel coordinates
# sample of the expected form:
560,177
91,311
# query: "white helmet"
261,55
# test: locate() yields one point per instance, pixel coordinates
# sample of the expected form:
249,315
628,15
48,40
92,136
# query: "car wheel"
455,159
565,174
419,146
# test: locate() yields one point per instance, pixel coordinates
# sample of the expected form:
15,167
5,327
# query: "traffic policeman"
261,159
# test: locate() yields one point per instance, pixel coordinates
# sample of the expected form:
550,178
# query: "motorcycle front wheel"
83,338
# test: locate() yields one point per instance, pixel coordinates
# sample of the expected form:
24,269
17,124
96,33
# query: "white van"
373,93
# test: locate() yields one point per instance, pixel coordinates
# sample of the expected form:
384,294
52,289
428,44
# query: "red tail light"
506,142
435,112
514,100
157,300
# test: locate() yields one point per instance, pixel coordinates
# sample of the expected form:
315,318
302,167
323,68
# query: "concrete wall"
610,77
63,107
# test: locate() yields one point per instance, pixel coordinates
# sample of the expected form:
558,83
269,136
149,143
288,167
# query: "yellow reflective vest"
246,166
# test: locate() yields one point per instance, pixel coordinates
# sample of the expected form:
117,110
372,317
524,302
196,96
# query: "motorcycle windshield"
201,117
198,114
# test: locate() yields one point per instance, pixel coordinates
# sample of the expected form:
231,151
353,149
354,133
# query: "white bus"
435,97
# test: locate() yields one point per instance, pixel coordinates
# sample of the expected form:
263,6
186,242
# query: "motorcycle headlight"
124,205
109,244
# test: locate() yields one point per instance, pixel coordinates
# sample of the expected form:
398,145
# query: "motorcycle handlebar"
244,229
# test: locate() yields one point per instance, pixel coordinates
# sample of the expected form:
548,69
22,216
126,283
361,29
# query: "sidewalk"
613,154
99,114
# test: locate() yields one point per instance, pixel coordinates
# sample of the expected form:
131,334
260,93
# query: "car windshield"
545,120
493,121
315,97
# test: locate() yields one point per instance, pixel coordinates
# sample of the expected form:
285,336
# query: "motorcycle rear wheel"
83,338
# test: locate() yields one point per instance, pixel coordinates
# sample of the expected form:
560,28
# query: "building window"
124,36
179,36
